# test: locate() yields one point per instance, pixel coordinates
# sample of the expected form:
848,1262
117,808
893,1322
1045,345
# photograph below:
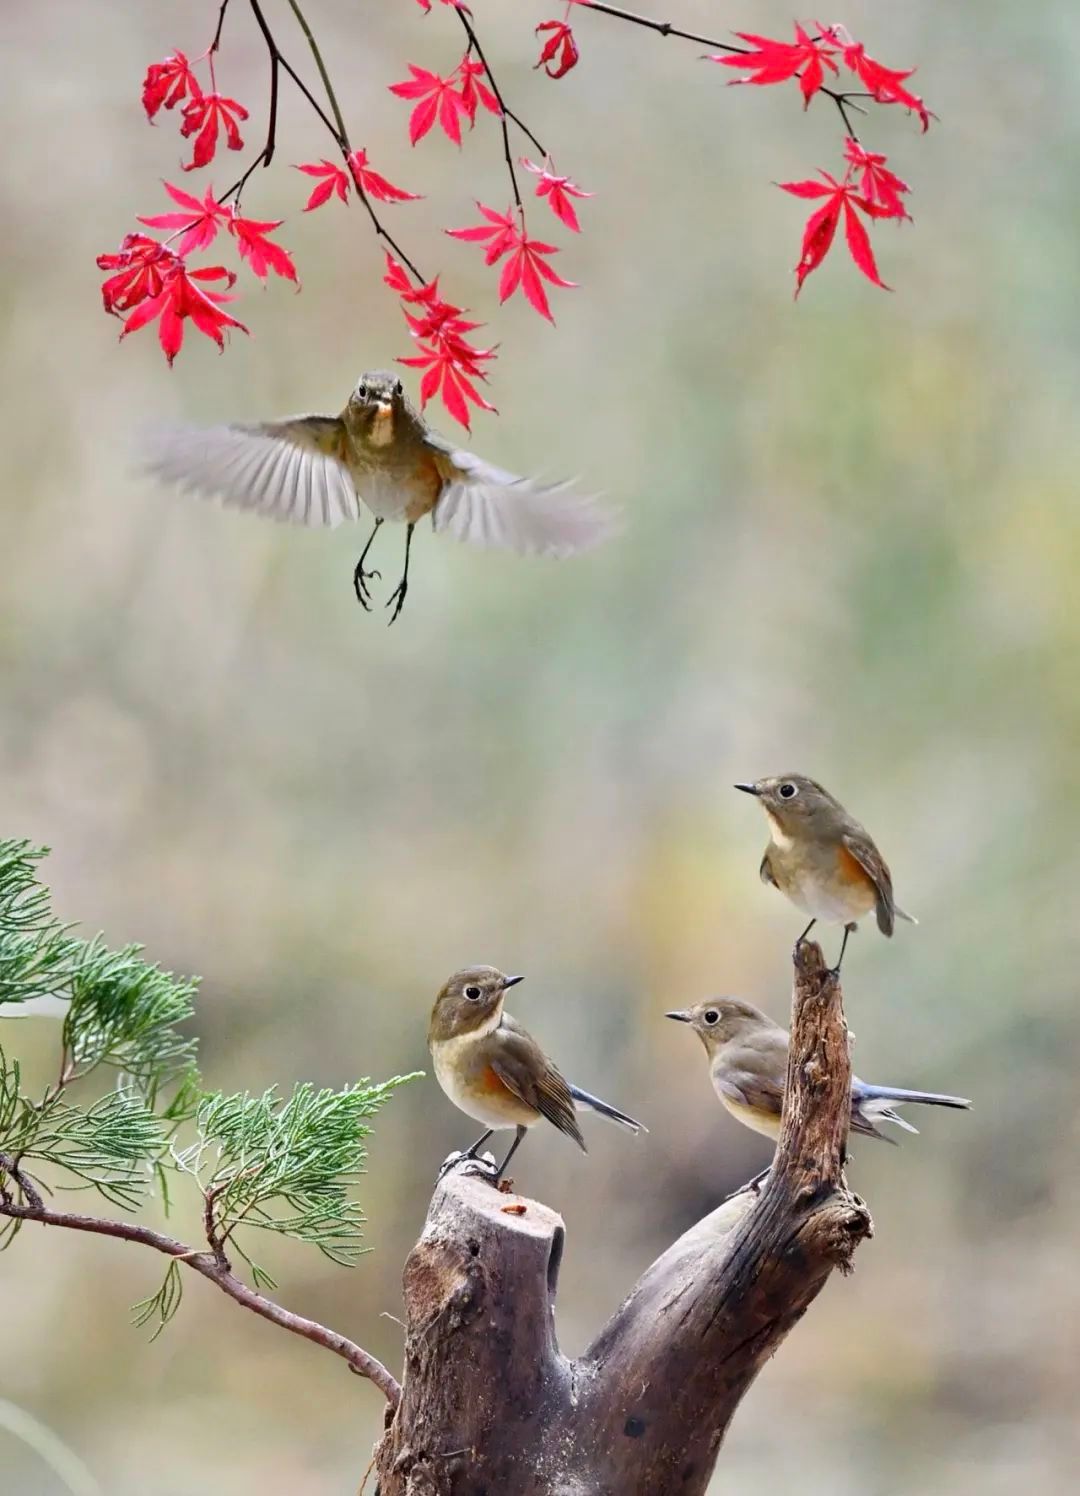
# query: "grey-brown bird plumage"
748,1059
492,1068
379,453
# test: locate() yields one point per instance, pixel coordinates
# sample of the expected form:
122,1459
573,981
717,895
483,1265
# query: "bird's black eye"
788,791
361,390
399,388
473,994
711,1016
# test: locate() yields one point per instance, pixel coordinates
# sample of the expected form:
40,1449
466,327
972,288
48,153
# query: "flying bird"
379,454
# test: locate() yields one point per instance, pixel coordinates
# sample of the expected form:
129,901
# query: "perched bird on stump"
748,1058
318,470
825,862
495,1071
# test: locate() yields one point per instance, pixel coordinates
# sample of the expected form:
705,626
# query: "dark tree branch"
506,115
336,126
211,1265
489,1403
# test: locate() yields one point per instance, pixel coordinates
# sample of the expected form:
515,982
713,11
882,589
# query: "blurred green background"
851,548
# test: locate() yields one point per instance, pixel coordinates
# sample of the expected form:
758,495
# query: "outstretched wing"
859,845
488,506
524,1069
292,470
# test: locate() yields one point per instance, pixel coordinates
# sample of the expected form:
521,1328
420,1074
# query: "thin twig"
210,1227
335,126
504,114
323,74
665,28
339,132
216,43
209,1267
11,1167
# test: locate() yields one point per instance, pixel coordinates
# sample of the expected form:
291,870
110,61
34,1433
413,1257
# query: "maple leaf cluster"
451,363
151,278
868,185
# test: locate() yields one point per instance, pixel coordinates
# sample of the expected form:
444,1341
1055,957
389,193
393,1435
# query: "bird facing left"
380,453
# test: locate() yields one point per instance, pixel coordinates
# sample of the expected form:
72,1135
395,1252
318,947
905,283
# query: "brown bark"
490,1406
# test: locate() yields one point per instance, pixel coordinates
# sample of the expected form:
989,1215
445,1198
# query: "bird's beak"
680,1015
748,789
511,982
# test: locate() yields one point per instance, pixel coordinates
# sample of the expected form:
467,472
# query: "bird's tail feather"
903,914
863,1093
594,1104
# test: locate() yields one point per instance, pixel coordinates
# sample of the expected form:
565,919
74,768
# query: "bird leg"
803,936
360,576
514,1146
469,1156
849,929
398,595
753,1185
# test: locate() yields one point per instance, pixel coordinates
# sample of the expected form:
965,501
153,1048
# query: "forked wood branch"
491,1407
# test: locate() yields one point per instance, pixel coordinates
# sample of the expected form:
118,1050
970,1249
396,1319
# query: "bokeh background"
851,548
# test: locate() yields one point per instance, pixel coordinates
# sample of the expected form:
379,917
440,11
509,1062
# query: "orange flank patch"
490,1082
850,870
424,489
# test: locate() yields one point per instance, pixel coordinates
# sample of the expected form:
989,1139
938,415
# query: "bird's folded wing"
485,505
524,1069
291,470
858,844
749,1083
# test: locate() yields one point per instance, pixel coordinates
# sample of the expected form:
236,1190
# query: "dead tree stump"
491,1407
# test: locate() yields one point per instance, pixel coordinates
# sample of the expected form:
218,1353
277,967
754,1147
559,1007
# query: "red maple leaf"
197,225
180,298
204,114
374,185
140,266
166,83
558,191
446,376
840,199
877,183
501,232
450,361
772,61
886,85
260,253
474,91
560,52
397,279
438,99
367,181
334,180
527,265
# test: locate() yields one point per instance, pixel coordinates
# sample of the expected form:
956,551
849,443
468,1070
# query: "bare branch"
211,1265
506,115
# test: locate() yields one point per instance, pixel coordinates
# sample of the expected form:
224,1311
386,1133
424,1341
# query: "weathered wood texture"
490,1406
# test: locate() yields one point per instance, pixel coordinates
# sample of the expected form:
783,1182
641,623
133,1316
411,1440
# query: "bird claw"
398,597
752,1186
360,587
484,1164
